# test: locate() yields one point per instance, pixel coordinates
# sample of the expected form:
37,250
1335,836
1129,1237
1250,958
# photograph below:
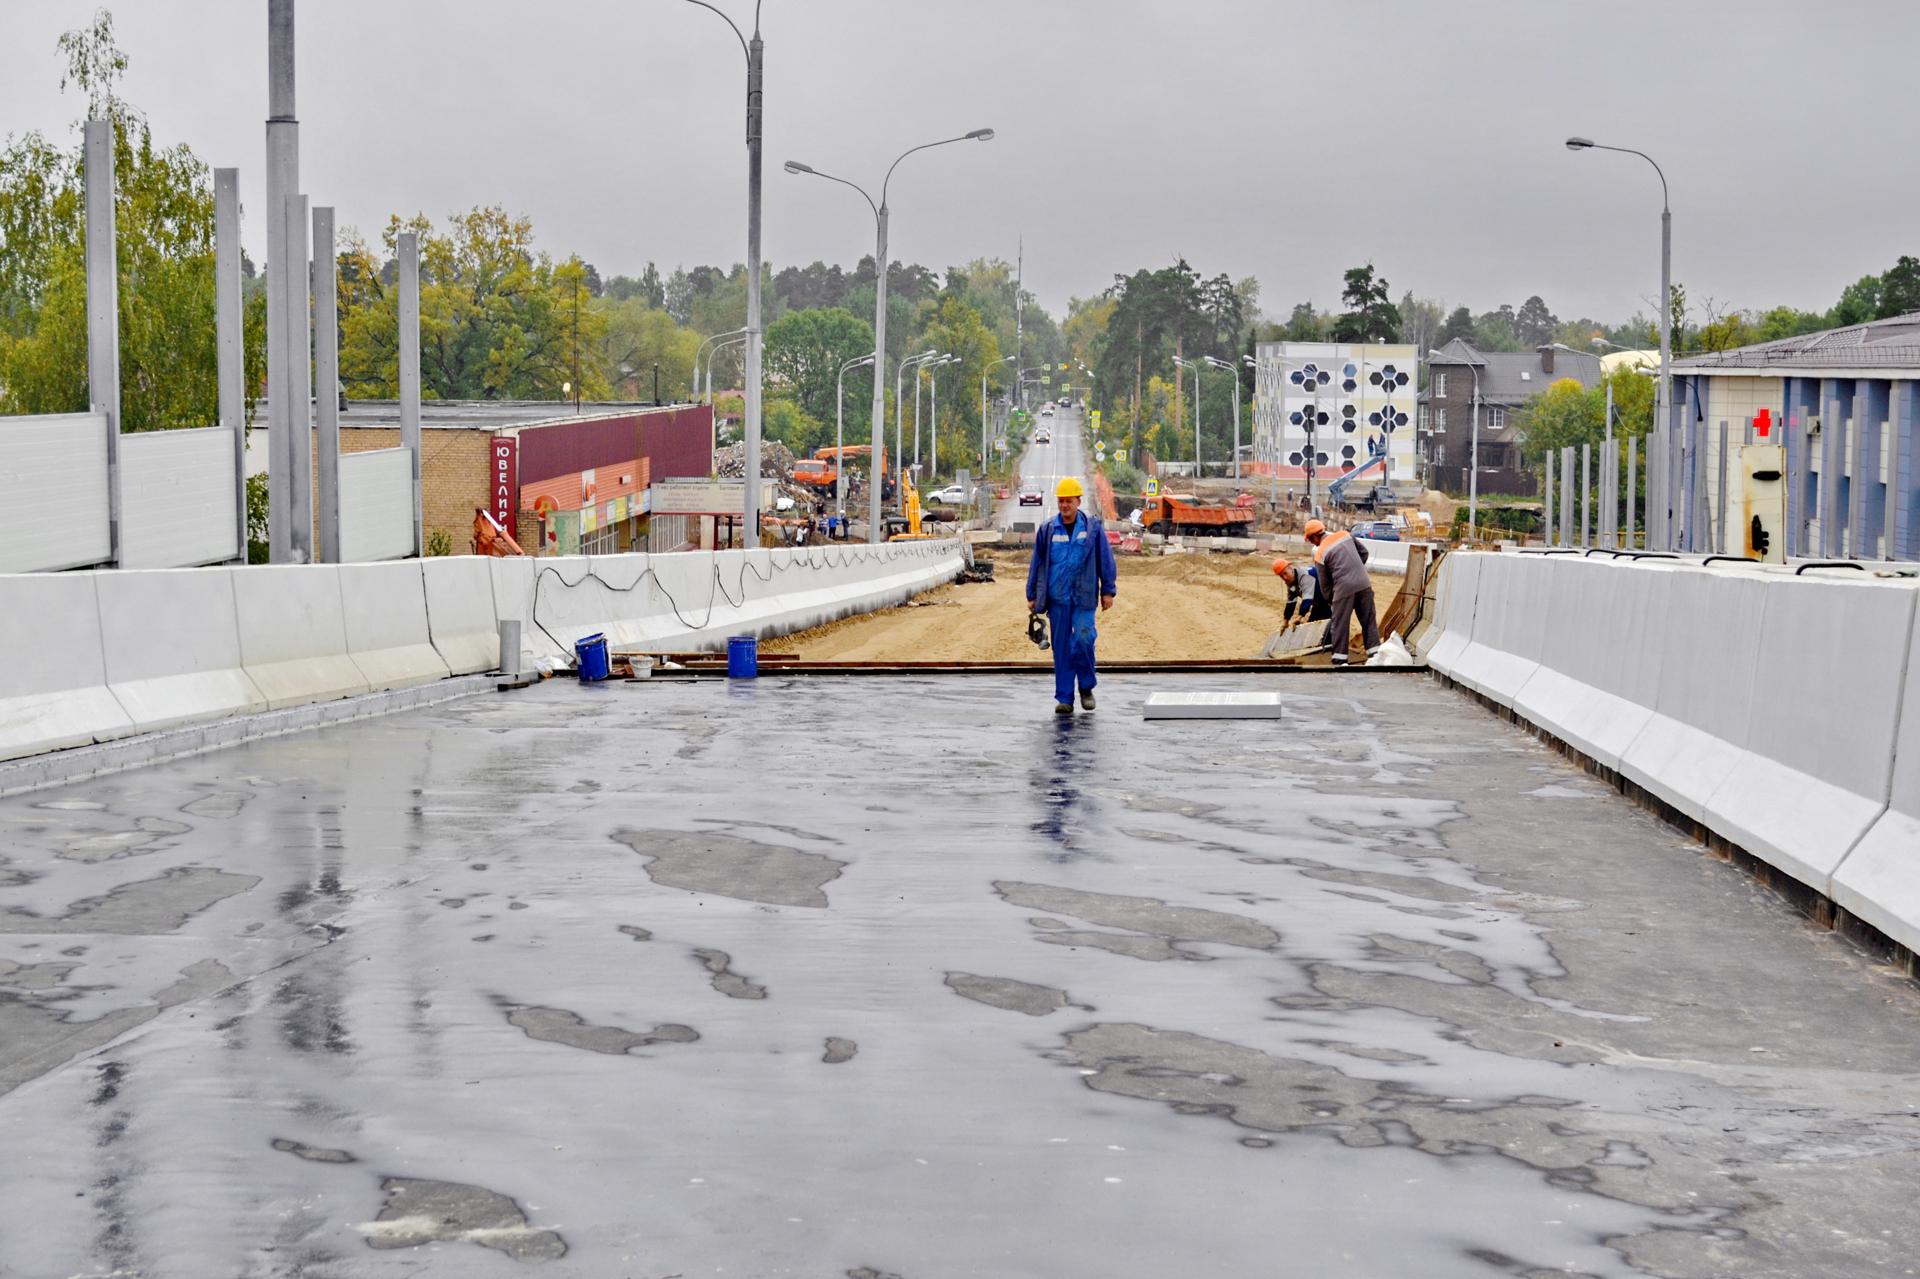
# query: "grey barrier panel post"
285,355
1720,511
410,370
103,311
326,383
300,379
1632,449
1566,496
1586,495
1832,438
230,335
1547,527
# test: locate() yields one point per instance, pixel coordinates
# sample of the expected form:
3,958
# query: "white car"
951,495
1047,411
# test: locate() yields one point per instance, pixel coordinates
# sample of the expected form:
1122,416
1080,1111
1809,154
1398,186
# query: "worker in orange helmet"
1342,562
1071,574
1305,599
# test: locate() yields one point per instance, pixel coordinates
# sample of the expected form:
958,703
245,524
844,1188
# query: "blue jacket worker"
1071,576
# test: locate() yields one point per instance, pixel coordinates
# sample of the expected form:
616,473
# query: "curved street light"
880,213
840,438
1664,392
755,50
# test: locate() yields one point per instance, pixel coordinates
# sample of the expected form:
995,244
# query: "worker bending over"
1343,577
1305,600
1071,572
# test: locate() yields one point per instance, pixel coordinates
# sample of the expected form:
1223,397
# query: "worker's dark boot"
1063,708
1086,699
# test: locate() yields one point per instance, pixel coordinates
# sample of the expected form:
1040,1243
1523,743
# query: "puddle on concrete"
1132,945
636,932
418,1211
147,906
147,836
1148,915
312,1154
727,865
218,804
33,976
839,1050
559,1026
1005,992
725,980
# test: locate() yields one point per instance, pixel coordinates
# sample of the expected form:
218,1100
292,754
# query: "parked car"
1377,531
951,495
1031,497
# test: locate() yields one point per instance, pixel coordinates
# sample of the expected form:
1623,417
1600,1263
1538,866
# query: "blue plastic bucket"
590,656
743,657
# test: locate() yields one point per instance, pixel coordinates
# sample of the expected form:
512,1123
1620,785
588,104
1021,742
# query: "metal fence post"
229,322
1547,527
326,379
1566,496
410,373
1632,486
1586,495
103,312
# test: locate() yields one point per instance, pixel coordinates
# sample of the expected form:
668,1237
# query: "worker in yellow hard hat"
1342,563
1071,577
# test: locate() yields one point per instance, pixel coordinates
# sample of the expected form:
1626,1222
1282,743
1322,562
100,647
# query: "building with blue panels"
1845,402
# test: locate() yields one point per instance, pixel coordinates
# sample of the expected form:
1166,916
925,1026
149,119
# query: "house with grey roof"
1845,402
1465,384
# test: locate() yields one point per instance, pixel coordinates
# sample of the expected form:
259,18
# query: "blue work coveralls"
1070,570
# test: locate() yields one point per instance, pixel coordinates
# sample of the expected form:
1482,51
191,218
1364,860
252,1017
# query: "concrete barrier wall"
89,657
1780,713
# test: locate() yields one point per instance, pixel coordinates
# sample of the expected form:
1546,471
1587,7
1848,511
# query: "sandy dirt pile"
1177,606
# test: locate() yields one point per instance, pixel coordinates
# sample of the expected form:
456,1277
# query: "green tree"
1459,325
636,339
1304,324
1371,315
163,210
783,420
498,320
1535,324
1899,289
959,330
805,350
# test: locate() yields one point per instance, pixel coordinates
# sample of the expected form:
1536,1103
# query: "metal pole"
410,368
933,422
1665,396
103,312
1566,496
916,417
326,377
1550,529
840,443
299,381
1586,496
230,339
1632,486
1236,423
983,428
1196,421
876,472
1473,457
756,66
1720,503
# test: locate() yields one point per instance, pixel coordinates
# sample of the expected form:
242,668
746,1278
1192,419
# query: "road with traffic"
1044,464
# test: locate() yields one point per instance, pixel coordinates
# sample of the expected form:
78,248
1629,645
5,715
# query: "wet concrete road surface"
777,979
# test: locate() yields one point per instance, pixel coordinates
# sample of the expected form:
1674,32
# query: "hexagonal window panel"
1346,468
1348,371
1349,386
1297,418
1321,458
1297,377
1348,410
1347,451
1295,459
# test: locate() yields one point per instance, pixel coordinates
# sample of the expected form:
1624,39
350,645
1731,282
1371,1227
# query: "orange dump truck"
1171,513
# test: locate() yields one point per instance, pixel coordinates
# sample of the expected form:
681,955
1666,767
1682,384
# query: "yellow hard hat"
1069,487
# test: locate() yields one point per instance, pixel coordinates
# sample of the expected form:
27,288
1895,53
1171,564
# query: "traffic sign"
1152,488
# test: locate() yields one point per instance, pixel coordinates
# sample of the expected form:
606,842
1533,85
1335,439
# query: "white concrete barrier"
293,633
1509,626
171,640
1819,747
1705,643
1879,882
1457,587
385,609
1384,557
53,679
513,585
460,613
1595,686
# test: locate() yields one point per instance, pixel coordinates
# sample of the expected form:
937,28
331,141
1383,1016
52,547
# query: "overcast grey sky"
1282,139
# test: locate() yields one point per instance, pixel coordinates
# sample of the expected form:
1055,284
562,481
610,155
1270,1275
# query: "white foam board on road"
1213,705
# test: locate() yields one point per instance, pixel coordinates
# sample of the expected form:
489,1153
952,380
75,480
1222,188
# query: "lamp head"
1579,144
794,166
981,135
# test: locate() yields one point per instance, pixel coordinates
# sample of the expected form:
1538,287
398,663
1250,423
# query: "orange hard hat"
1280,567
1315,528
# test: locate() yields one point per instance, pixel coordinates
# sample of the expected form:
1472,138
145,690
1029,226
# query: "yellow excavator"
908,521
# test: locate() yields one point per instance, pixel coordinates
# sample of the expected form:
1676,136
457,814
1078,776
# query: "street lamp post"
1195,366
899,408
717,337
755,49
984,373
1664,392
874,529
933,414
1222,364
840,437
